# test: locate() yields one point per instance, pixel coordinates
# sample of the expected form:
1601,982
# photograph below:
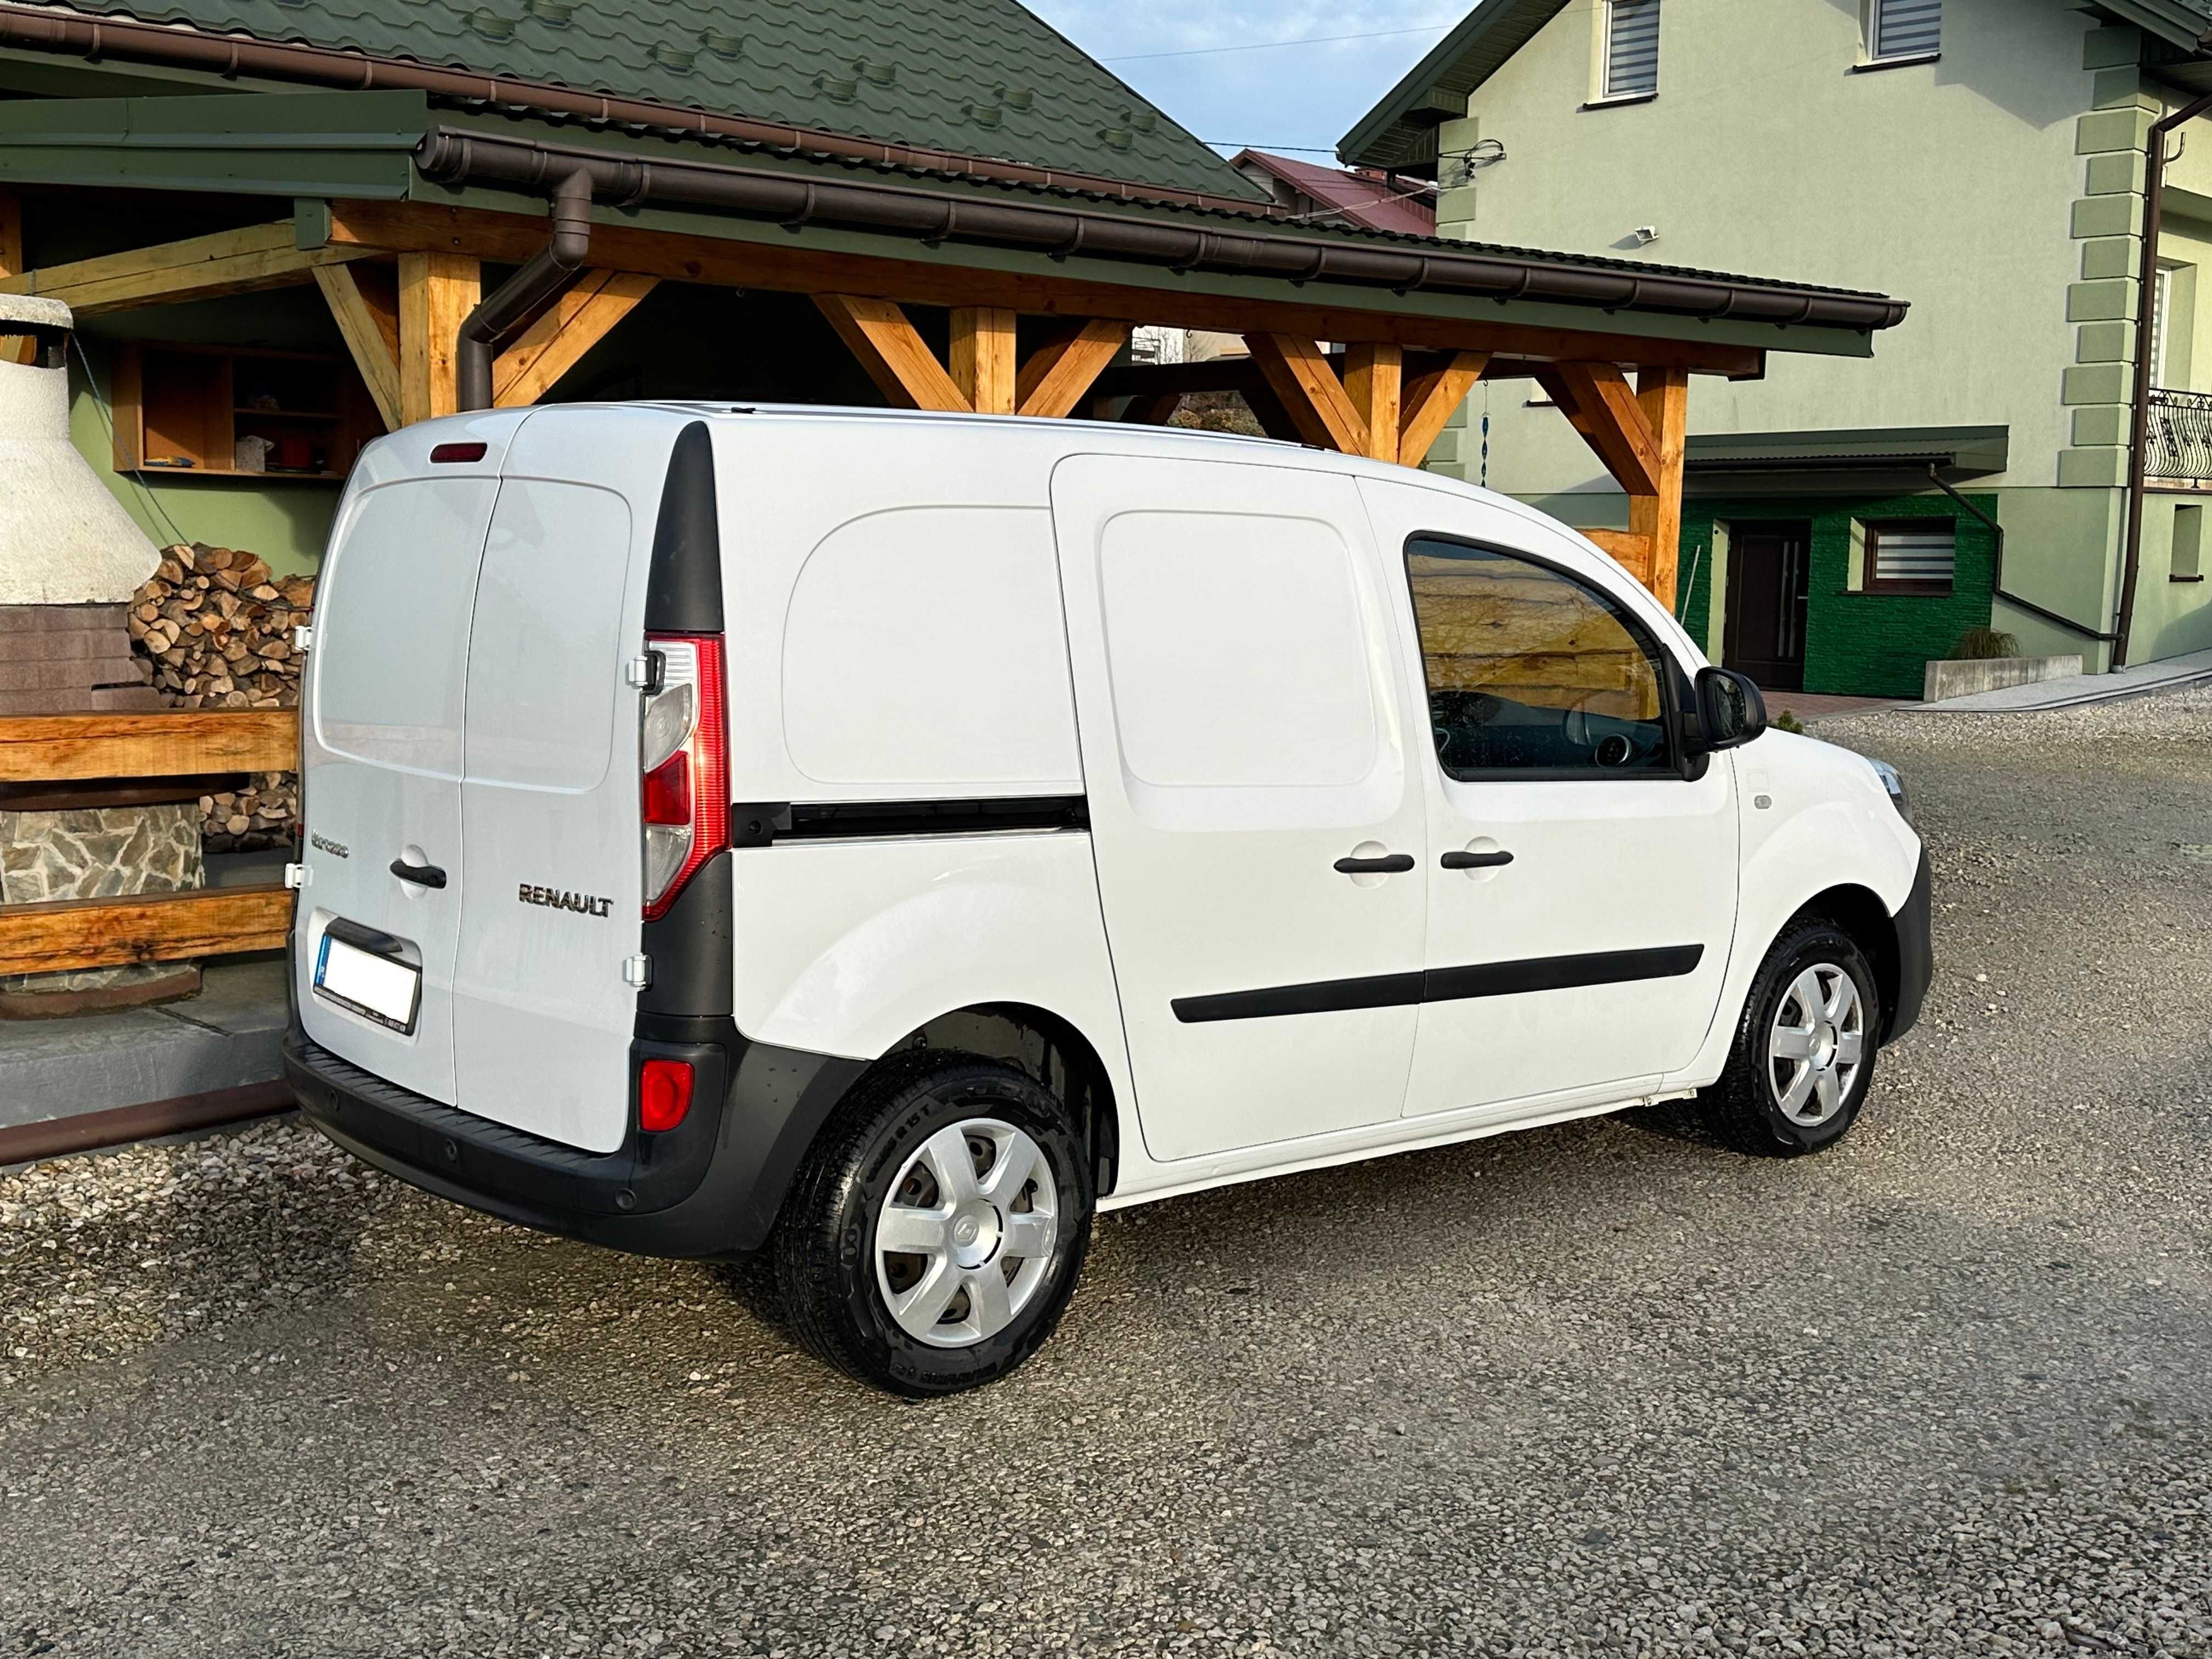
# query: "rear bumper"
1915,953
708,1188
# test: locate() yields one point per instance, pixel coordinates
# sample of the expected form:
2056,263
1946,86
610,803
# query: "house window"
1631,48
2161,303
2188,565
1905,29
1911,556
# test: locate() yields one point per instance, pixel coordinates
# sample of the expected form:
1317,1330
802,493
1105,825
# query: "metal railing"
2180,447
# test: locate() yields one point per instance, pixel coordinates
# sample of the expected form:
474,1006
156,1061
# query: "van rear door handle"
1475,861
423,875
1390,864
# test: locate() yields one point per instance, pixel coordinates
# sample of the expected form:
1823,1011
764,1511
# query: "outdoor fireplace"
71,559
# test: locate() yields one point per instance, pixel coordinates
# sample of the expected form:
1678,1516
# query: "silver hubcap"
966,1240
1816,1049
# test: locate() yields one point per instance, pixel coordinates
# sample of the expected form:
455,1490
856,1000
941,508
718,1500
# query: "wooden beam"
1058,375
11,233
983,357
1374,377
437,291
791,264
1156,411
582,317
1597,398
1632,549
180,743
1664,397
895,354
1430,398
368,321
1299,374
70,935
197,268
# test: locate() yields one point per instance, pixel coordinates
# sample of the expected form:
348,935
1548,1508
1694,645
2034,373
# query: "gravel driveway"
1591,1390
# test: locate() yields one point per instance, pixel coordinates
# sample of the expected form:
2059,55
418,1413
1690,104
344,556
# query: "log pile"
213,627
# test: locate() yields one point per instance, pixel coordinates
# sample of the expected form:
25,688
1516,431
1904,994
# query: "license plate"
376,987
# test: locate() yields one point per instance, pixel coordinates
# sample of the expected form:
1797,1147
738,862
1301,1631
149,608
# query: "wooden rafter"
437,291
364,303
983,358
198,268
790,265
1429,399
1632,550
898,359
1060,373
584,313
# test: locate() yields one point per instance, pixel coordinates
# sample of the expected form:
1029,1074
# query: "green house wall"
1856,644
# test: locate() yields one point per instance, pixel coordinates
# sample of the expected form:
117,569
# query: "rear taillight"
664,1093
684,749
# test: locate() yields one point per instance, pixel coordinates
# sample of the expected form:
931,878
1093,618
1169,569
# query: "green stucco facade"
1856,643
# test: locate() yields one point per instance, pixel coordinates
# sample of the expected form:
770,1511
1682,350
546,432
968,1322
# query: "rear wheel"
1804,1051
936,1231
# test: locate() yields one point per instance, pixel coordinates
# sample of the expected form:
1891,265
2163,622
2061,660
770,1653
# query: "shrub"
1980,644
1786,721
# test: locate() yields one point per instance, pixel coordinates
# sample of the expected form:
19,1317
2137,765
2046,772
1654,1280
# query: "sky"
1289,99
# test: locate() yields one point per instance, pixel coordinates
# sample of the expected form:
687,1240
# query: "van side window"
1531,673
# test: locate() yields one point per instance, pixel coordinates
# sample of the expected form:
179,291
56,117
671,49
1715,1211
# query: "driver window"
1530,672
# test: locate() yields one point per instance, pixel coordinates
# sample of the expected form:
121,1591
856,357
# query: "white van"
888,839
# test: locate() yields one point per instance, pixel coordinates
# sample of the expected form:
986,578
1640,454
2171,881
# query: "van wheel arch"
1044,1046
1859,912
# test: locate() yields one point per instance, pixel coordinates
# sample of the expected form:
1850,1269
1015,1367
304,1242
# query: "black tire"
1743,1109
826,1266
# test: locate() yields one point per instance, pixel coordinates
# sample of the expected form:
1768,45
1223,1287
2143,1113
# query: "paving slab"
2073,690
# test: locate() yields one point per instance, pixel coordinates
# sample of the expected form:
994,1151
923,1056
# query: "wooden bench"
68,934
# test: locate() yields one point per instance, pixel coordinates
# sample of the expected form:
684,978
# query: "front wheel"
1803,1056
936,1232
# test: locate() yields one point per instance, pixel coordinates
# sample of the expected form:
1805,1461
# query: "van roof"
1074,433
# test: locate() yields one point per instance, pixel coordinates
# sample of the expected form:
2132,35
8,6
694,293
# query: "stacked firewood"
215,627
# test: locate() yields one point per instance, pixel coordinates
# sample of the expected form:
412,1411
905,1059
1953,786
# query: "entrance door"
1769,578
1262,852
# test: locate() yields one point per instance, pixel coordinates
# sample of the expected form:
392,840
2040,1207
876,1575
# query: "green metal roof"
985,78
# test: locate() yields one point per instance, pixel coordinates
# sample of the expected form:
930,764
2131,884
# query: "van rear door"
550,813
381,728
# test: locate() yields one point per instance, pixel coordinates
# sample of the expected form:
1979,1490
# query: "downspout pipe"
2146,324
1997,574
502,310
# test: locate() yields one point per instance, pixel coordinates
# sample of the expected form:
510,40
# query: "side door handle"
1475,861
1390,864
423,875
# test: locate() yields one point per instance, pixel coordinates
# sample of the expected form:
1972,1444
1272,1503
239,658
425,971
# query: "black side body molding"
1488,979
763,823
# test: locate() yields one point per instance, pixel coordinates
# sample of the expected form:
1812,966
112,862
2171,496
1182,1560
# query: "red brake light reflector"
668,790
664,1093
459,452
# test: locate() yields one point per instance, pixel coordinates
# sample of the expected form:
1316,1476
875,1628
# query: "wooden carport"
1361,343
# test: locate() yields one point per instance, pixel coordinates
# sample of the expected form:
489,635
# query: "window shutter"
1922,556
1632,48
1905,28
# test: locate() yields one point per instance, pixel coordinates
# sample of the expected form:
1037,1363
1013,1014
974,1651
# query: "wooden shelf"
196,403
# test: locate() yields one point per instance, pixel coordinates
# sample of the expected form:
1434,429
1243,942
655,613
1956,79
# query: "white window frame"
1875,57
1601,90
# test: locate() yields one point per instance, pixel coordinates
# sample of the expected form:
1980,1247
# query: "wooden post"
437,291
1664,394
11,235
1373,376
983,358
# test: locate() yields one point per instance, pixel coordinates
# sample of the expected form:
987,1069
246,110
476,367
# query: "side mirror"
1730,711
